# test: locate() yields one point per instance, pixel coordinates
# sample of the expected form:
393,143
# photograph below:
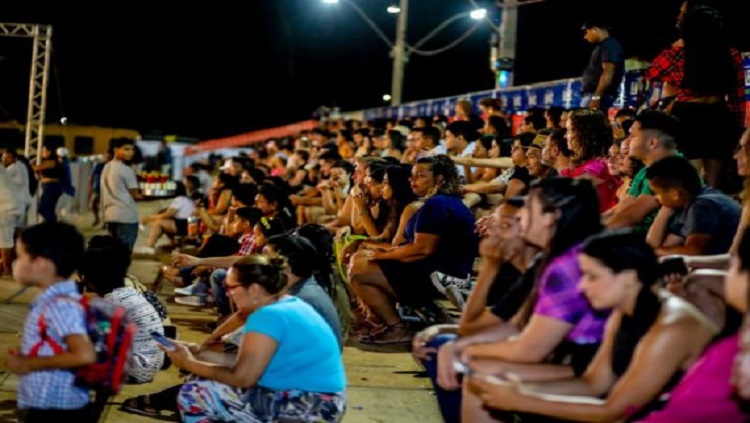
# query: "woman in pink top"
706,392
589,137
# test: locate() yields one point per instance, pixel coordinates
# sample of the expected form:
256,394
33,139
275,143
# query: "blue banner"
564,93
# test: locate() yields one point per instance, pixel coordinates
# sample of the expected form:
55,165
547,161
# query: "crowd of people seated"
599,268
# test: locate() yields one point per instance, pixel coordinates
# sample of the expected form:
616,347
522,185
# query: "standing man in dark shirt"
604,73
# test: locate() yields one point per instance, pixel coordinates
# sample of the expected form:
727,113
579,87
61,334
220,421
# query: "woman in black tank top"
651,337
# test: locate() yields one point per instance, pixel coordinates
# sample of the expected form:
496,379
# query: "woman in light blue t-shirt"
289,365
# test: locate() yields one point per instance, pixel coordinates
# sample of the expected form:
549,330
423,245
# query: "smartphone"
460,367
674,266
163,340
464,369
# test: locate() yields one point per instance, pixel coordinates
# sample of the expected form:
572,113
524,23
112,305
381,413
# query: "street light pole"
399,55
506,49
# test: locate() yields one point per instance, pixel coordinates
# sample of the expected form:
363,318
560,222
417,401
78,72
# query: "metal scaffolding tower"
40,58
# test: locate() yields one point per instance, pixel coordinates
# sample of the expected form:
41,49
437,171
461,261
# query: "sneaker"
143,250
442,282
456,296
192,300
196,288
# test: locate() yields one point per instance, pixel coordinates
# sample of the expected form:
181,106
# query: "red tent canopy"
251,137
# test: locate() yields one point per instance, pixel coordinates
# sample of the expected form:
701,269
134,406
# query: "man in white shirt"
10,210
119,187
19,178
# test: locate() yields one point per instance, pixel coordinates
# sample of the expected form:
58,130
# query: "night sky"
222,69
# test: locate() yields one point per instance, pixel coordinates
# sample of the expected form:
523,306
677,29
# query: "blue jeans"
449,401
220,294
125,232
51,193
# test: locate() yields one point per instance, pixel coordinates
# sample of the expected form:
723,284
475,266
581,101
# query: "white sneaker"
455,289
143,250
441,281
196,288
456,296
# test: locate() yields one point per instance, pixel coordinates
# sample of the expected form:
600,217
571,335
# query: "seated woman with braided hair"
440,238
288,367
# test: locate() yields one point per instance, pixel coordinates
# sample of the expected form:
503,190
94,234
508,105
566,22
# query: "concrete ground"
384,386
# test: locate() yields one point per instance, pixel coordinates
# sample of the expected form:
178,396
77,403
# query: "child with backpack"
55,338
103,270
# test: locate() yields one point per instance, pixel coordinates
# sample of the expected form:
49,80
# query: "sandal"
140,405
397,334
366,328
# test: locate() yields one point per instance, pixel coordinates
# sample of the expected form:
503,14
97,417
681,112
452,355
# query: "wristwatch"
596,97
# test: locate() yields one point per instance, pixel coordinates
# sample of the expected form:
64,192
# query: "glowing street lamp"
393,9
478,14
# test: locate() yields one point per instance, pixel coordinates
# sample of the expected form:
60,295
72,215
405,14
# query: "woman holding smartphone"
289,364
651,338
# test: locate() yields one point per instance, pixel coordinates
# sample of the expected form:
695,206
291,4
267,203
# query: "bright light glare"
386,97
393,9
478,14
503,79
330,1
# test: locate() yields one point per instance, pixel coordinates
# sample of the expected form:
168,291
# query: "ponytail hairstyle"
268,272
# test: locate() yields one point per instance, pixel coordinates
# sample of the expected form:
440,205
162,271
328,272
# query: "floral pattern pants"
203,400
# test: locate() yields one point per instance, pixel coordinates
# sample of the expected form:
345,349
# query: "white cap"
62,152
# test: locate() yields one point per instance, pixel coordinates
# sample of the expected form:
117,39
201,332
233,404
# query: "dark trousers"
51,193
125,232
449,401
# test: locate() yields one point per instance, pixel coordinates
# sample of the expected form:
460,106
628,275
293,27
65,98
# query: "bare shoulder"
678,314
413,207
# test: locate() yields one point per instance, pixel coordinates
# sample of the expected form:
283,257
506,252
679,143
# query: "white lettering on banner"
532,100
567,97
549,98
517,101
747,77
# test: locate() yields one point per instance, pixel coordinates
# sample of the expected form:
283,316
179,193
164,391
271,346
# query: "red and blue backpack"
112,336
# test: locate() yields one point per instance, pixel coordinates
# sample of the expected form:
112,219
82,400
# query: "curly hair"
592,132
442,165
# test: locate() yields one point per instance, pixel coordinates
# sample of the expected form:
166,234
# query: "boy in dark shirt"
694,219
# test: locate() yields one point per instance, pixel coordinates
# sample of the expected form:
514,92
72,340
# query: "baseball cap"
539,141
